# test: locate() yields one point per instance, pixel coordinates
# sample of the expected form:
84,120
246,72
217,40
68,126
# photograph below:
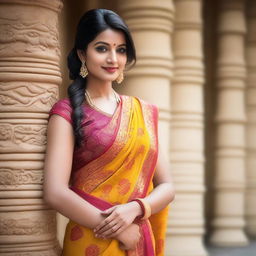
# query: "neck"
98,88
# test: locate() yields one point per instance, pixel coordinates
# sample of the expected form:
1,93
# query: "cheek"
93,58
123,61
92,55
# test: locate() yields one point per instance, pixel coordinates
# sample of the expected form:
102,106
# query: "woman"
102,167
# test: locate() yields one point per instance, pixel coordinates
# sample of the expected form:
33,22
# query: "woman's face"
105,56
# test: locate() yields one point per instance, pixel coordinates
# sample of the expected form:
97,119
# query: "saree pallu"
121,173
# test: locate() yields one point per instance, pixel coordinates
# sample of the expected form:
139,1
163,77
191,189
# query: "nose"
112,57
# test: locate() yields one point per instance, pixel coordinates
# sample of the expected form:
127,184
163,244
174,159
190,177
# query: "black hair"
92,23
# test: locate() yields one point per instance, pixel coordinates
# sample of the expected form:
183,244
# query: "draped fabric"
115,165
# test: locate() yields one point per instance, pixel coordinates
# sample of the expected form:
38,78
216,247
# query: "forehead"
110,36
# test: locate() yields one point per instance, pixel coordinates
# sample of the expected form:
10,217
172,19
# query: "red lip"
110,69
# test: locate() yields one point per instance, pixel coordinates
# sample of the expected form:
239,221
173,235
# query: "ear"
81,55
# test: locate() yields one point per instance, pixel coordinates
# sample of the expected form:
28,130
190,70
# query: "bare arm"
57,169
163,192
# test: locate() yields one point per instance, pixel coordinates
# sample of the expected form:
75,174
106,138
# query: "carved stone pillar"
29,71
228,222
250,201
187,145
151,25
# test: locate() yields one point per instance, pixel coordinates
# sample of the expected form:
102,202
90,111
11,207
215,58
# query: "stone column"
187,143
29,71
151,25
228,222
250,200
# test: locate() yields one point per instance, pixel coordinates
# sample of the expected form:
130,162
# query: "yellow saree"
123,172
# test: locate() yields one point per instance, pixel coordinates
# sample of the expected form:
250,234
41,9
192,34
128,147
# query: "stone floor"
249,250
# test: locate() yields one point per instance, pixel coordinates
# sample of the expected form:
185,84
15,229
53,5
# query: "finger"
107,227
111,232
117,232
104,223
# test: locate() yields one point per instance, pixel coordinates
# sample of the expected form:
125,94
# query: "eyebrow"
101,42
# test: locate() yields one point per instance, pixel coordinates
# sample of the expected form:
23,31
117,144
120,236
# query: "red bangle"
141,206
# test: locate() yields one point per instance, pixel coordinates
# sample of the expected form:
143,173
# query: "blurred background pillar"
250,202
187,138
151,24
30,76
228,222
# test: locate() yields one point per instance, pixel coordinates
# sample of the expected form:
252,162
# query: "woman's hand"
129,238
118,218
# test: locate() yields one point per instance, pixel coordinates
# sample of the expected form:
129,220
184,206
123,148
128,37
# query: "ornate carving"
33,35
23,134
31,135
27,226
5,132
51,252
27,95
55,5
29,60
20,176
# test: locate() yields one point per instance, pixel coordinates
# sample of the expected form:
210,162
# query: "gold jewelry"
120,78
83,70
89,99
117,97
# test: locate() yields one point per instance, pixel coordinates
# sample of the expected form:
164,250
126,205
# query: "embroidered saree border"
99,203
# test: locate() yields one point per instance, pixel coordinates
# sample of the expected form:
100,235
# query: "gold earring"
83,70
120,78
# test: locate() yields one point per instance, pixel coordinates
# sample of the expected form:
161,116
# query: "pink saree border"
95,201
148,248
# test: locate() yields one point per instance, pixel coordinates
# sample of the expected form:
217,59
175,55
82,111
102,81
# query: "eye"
122,50
101,48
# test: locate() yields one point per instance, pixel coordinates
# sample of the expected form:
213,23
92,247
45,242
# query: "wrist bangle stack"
145,207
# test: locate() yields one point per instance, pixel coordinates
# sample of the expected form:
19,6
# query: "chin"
110,79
